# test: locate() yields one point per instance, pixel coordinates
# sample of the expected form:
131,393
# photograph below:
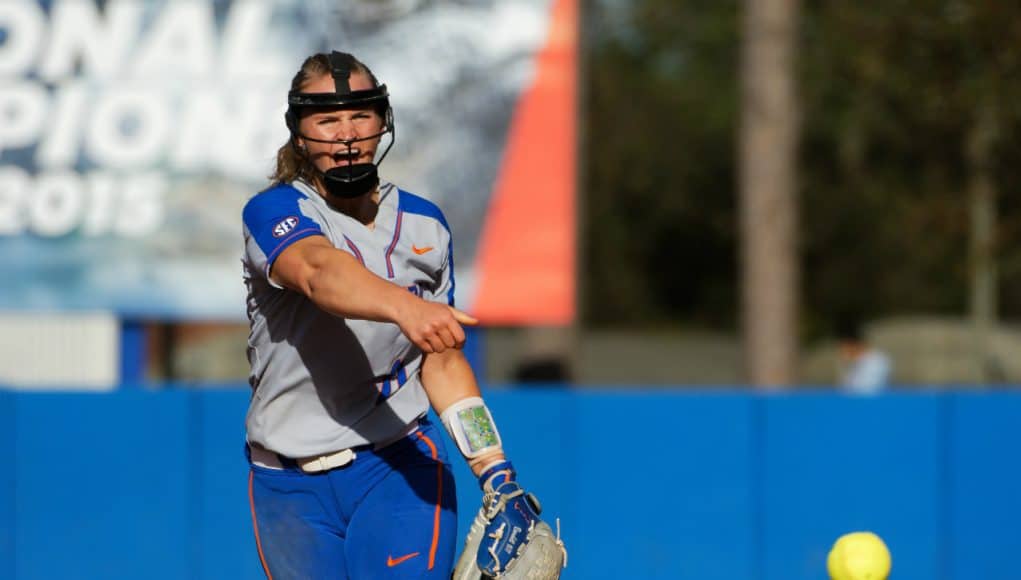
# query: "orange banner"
526,260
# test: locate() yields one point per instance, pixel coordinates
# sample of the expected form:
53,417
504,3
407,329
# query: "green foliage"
659,182
890,95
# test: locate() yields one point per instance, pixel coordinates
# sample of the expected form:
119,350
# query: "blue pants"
391,513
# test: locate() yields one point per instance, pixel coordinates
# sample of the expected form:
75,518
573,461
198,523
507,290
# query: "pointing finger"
462,317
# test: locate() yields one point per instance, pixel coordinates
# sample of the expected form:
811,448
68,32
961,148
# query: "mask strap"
341,72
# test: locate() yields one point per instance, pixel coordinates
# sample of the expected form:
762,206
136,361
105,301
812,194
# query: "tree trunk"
768,207
982,195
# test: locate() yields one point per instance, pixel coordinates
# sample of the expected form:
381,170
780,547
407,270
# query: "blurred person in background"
864,369
353,336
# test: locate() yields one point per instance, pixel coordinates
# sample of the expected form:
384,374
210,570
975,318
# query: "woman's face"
340,124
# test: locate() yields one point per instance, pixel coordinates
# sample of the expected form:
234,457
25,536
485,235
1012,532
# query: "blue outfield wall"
680,485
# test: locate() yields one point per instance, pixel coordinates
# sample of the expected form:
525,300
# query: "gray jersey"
321,382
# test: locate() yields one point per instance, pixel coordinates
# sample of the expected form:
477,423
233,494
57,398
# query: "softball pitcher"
353,335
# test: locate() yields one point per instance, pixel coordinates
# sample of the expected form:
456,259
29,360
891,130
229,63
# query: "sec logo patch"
285,226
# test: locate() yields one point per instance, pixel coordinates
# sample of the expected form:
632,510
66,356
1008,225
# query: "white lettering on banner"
244,43
180,44
60,146
133,106
14,182
204,116
132,127
141,209
22,110
181,41
226,133
55,204
99,203
98,217
130,86
23,23
129,128
79,35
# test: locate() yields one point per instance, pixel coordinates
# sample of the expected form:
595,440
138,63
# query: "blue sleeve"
274,220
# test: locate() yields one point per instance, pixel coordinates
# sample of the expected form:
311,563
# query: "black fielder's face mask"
349,179
352,180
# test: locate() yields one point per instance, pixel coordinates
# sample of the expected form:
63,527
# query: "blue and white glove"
511,513
508,539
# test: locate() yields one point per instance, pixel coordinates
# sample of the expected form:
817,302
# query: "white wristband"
471,426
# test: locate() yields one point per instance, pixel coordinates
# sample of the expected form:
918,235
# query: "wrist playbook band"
471,426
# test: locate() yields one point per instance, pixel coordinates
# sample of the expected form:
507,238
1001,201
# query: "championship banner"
133,132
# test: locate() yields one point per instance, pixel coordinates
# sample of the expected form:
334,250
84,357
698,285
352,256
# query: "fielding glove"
507,539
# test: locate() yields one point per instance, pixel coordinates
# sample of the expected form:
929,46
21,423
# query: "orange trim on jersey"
439,498
525,265
255,525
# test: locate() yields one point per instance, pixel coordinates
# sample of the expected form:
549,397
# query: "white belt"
265,458
326,462
317,464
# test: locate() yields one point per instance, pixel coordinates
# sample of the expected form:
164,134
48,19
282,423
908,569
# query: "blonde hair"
292,163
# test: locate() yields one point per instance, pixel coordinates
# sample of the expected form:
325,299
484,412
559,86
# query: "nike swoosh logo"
420,251
391,561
